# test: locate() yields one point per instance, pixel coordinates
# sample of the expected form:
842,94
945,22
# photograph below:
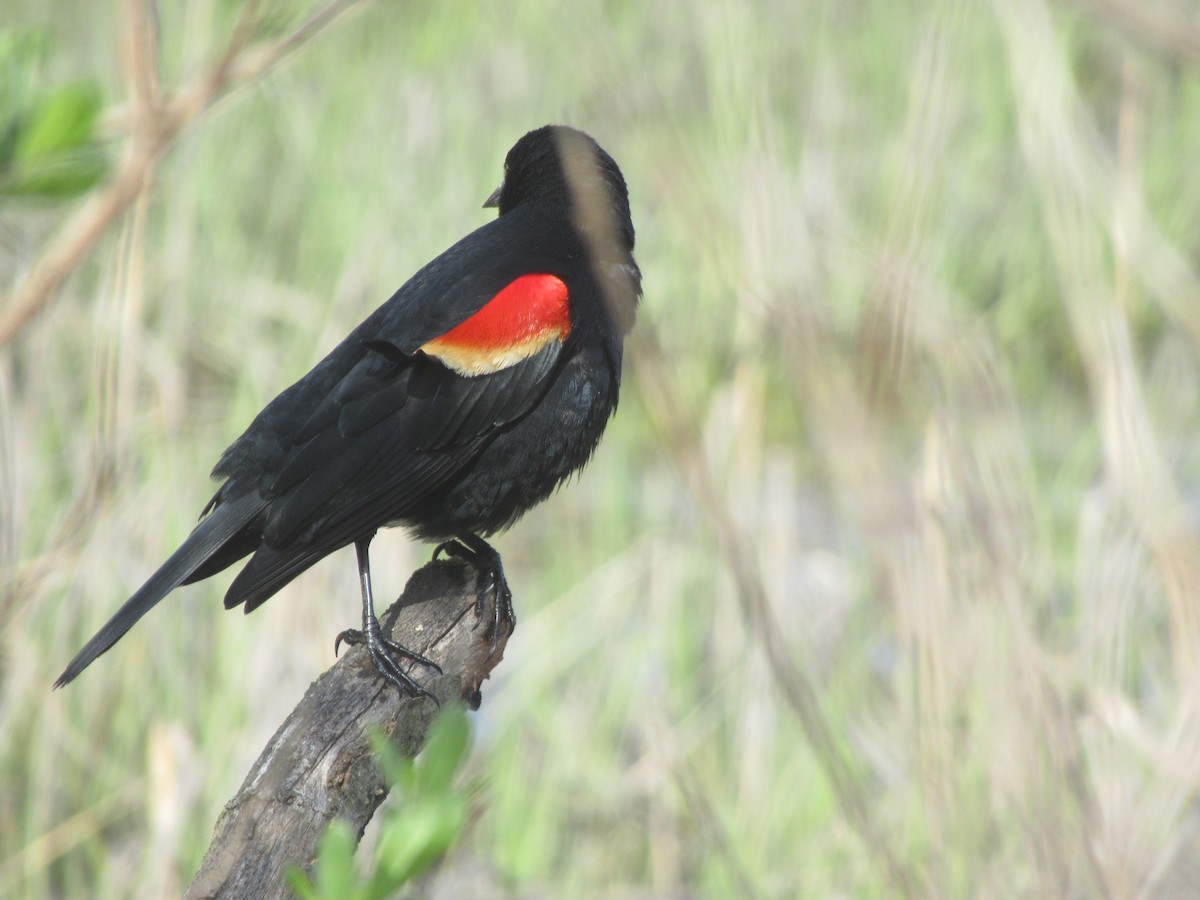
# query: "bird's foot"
492,584
386,655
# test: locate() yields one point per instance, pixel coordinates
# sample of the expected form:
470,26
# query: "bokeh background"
885,580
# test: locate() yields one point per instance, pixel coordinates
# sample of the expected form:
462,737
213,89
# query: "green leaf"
412,836
397,769
60,121
47,143
299,883
417,836
335,861
56,177
430,815
445,748
333,874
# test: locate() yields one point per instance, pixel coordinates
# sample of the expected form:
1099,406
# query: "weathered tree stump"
319,765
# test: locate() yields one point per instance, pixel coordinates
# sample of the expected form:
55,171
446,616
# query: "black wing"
378,425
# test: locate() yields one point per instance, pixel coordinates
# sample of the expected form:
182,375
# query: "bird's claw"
493,585
384,654
496,586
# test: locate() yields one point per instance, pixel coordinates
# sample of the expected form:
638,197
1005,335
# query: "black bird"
461,402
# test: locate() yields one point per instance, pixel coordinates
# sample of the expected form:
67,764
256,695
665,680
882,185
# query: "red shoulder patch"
519,321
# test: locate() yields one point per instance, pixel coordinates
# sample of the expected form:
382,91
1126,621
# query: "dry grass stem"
157,122
682,440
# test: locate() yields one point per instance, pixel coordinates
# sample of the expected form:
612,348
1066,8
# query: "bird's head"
562,166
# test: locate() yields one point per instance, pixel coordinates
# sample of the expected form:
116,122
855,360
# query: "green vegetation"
48,144
926,282
414,832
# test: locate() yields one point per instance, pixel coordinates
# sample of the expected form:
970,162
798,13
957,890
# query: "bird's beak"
494,200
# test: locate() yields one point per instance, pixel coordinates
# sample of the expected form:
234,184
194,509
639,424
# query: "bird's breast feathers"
529,313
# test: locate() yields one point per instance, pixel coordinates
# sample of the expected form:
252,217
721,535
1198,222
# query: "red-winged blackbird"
462,401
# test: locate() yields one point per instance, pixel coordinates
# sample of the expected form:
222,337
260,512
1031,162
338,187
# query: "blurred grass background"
918,369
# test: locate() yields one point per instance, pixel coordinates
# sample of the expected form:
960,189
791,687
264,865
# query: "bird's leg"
383,652
486,560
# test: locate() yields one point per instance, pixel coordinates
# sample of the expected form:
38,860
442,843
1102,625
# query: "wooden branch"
319,766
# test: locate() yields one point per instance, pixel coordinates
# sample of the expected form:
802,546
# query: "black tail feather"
266,573
205,541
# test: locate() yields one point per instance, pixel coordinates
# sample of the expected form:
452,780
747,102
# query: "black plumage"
430,415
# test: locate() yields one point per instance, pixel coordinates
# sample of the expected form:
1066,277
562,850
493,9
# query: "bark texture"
319,765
